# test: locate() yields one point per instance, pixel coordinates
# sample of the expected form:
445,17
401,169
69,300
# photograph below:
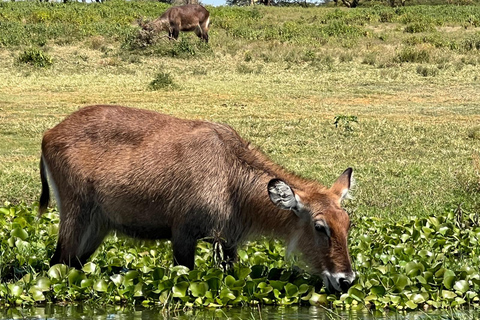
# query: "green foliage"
472,42
407,264
427,71
417,27
162,80
409,54
36,58
429,261
345,122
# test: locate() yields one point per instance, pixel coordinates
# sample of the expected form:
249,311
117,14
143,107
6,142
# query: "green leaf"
19,233
130,275
277,284
229,281
101,286
75,277
43,284
448,279
258,271
158,273
356,294
58,272
16,290
461,286
458,301
86,283
179,290
400,281
291,290
449,295
37,294
242,272
199,289
117,279
226,294
417,298
214,284
378,291
89,267
411,305
318,299
414,269
138,290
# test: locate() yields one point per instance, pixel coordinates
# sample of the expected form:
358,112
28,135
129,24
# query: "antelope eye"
322,227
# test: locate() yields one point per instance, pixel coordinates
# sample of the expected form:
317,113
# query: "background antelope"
190,17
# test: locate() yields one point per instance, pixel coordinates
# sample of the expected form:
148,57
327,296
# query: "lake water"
83,312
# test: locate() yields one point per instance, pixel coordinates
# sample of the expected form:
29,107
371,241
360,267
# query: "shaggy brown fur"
153,176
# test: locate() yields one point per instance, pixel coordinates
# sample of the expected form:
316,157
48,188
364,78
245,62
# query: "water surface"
83,312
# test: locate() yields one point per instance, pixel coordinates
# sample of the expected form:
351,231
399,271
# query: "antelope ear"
343,184
283,197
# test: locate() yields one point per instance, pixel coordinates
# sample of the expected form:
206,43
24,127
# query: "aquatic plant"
415,263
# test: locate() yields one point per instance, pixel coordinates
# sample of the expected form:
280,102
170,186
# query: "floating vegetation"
412,264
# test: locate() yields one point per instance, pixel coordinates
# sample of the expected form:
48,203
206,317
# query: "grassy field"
280,76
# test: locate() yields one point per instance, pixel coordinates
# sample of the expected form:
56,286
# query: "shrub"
243,68
409,54
345,57
370,59
472,42
345,122
417,27
427,71
97,42
36,58
474,134
162,80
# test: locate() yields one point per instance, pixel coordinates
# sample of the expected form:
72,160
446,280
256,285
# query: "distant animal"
190,17
153,176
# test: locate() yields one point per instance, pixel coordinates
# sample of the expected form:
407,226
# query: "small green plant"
243,68
370,58
474,133
247,56
427,71
417,27
345,122
36,58
345,57
415,55
162,80
472,42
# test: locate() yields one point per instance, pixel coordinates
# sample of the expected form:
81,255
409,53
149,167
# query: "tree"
350,3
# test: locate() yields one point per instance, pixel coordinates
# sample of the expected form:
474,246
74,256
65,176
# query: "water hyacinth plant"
422,263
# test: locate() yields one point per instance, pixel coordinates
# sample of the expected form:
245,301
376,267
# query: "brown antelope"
153,176
190,17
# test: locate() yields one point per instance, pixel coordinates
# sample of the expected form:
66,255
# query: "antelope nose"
344,284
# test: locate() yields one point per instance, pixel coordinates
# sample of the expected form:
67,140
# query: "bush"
472,42
162,80
36,58
409,54
427,71
417,27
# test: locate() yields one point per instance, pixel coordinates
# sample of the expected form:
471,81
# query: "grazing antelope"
153,176
190,17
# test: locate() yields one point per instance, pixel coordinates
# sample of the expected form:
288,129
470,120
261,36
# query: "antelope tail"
45,195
